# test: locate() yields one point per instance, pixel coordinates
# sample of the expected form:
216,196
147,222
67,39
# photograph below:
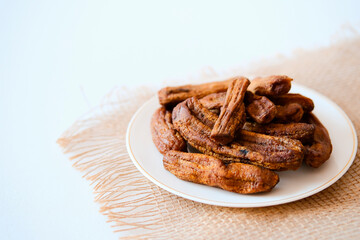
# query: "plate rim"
247,205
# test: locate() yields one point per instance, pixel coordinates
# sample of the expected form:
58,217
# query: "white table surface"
58,58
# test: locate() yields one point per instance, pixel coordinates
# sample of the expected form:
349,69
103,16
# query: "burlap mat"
138,208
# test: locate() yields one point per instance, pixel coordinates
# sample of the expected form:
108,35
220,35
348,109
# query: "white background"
58,58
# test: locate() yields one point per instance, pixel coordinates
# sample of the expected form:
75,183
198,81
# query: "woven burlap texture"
141,210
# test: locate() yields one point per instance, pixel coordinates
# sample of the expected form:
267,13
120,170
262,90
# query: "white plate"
293,185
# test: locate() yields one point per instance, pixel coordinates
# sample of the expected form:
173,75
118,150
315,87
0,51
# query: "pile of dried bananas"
242,131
